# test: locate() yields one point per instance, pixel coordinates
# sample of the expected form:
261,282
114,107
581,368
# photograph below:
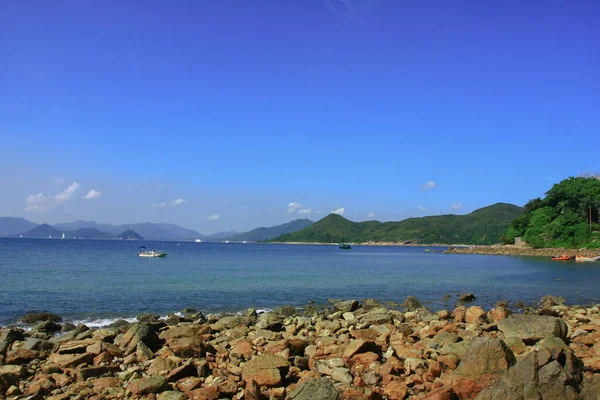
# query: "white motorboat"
151,253
198,240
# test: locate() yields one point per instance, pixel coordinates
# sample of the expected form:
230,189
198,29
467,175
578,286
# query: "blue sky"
182,111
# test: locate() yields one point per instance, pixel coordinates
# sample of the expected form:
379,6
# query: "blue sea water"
101,279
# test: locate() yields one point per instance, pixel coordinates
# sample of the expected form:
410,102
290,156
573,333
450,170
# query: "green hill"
566,217
483,226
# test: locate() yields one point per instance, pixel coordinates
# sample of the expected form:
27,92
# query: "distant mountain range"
259,234
483,226
11,226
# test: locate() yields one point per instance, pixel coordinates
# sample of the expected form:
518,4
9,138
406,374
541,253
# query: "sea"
99,281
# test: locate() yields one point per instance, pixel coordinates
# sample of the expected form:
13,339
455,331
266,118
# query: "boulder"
359,346
590,387
8,336
21,356
141,332
33,317
475,315
484,362
10,374
466,297
531,328
145,386
161,366
269,321
171,395
315,389
267,370
548,373
232,321
411,303
186,341
346,306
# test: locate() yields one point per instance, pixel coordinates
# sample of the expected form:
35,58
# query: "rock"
395,390
47,327
144,386
485,361
411,303
375,317
342,375
459,314
499,313
515,344
359,346
205,393
328,365
39,345
141,332
315,389
267,370
475,315
539,375
33,317
269,321
71,360
531,328
8,336
161,366
590,388
186,340
101,384
346,306
10,374
231,321
21,356
466,297
171,395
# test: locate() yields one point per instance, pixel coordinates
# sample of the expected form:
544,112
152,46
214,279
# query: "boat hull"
152,254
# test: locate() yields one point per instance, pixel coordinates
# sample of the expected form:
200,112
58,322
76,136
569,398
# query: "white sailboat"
21,235
63,236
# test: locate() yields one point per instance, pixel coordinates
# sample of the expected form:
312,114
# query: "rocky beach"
512,250
350,350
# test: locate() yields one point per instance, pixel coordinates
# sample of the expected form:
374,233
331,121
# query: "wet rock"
531,328
267,370
47,327
315,389
33,317
466,297
411,303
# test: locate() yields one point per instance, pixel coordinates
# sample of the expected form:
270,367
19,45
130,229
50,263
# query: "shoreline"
350,349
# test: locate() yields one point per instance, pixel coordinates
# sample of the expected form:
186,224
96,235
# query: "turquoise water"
94,279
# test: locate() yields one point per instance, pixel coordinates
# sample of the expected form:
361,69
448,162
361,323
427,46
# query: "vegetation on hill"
273,231
483,226
129,235
566,217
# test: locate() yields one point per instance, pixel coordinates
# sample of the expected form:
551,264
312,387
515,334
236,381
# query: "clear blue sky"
239,108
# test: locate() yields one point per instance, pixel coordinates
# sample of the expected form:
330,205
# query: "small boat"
564,257
582,258
63,236
151,253
345,246
198,240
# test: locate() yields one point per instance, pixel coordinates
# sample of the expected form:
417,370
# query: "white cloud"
371,215
422,208
68,192
339,211
38,203
305,211
456,205
429,185
92,194
177,202
174,203
294,206
213,217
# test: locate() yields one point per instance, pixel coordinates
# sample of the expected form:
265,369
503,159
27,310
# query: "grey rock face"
316,389
531,328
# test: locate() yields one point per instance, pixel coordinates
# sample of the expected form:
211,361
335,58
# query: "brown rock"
207,393
102,358
40,387
145,386
71,360
443,393
395,390
101,384
188,384
499,313
359,346
161,366
365,334
242,348
21,356
485,361
268,370
187,369
392,366
475,315
364,359
459,314
252,391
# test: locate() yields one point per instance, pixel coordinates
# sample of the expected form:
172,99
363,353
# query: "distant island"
483,226
129,235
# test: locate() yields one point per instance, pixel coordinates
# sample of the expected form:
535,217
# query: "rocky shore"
352,350
512,250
